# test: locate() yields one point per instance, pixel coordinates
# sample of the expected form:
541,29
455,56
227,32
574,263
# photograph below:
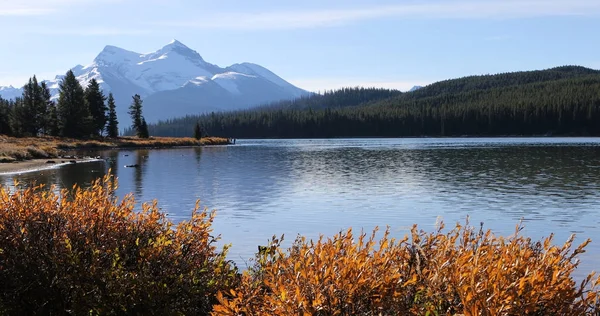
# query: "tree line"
78,113
558,101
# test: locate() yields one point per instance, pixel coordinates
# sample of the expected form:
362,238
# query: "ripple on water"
263,188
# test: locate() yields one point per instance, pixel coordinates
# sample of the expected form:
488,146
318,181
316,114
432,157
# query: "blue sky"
315,44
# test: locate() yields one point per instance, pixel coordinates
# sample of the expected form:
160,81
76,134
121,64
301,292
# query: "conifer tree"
18,117
40,106
138,122
112,129
5,112
24,110
52,123
74,116
197,131
51,120
144,129
33,113
94,99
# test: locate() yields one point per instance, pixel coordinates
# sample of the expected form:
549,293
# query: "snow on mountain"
228,81
415,88
10,92
259,71
180,78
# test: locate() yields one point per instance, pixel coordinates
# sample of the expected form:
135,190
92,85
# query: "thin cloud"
15,11
40,7
94,31
505,9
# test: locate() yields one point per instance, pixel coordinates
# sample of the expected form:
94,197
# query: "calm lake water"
311,187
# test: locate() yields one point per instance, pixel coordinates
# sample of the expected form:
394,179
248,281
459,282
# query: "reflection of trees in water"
31,179
198,155
561,182
82,174
141,160
246,177
64,177
112,160
112,163
569,169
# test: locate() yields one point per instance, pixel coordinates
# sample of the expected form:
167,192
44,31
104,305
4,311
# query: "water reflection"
64,177
198,152
311,187
139,169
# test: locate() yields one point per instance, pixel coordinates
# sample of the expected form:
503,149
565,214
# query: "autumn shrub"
462,272
84,252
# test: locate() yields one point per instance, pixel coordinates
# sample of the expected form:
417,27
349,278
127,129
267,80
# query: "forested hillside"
558,101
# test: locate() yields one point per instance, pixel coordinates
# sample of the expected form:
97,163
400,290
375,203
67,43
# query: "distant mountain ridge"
176,81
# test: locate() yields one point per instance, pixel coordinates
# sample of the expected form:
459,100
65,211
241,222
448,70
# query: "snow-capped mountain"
175,81
10,92
415,88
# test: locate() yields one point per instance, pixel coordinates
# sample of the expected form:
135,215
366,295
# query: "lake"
263,188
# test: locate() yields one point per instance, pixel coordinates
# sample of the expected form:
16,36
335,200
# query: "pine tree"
144,129
33,113
18,117
135,111
74,116
94,99
5,112
40,106
138,122
51,121
197,131
112,129
24,112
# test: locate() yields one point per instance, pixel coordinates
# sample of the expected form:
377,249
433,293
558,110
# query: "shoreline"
35,165
23,154
32,154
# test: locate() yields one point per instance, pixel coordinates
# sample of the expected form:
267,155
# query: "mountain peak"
175,42
179,48
112,54
175,45
112,49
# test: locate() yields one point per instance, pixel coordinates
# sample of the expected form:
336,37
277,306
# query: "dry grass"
17,149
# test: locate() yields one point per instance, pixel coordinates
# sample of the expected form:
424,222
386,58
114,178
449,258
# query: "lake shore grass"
88,252
16,150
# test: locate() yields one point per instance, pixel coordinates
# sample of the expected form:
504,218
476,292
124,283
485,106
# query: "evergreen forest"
559,101
77,113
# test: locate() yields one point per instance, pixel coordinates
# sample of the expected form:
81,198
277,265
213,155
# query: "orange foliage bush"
464,271
83,252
